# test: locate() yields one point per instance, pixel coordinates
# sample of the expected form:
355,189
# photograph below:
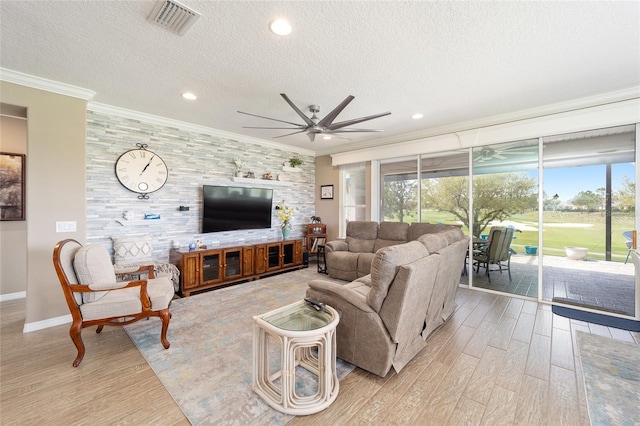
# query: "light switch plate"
66,226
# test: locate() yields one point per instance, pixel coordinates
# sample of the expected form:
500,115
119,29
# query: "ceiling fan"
487,153
314,126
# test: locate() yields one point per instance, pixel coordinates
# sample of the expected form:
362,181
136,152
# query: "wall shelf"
260,182
291,169
125,222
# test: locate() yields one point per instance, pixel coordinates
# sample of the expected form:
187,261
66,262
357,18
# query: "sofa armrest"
338,290
337,245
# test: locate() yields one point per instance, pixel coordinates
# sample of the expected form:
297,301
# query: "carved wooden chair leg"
99,329
165,316
75,333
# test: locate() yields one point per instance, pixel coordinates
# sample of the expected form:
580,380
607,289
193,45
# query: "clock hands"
148,164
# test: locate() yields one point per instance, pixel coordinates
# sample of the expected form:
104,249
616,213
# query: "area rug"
611,370
208,368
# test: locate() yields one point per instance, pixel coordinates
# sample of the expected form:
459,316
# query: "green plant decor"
295,161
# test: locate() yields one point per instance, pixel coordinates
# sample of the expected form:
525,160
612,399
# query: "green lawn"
556,238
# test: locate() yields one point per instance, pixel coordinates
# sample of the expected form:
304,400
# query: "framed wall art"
326,192
11,186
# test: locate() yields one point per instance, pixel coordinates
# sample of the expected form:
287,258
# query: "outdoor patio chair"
628,236
496,252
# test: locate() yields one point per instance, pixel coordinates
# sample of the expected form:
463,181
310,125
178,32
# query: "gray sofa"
387,315
351,258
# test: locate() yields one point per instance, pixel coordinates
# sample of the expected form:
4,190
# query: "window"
353,195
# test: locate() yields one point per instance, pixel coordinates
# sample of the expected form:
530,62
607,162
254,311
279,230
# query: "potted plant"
285,215
295,161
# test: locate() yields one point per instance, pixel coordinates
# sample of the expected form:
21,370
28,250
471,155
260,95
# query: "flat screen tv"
229,208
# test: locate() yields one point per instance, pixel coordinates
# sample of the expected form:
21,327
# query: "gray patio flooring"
608,286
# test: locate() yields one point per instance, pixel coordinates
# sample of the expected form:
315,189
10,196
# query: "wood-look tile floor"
498,360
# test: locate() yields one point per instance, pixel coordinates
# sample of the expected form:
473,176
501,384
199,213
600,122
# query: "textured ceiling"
452,61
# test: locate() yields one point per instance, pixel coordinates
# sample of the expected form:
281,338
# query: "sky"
568,182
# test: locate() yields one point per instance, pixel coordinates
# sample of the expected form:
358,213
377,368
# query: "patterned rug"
611,371
208,368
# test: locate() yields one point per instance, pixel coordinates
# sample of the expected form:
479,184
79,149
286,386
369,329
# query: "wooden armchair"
95,297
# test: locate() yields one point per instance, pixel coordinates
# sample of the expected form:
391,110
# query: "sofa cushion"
93,267
357,245
395,231
132,250
391,233
433,242
385,267
361,236
367,230
418,228
436,242
364,264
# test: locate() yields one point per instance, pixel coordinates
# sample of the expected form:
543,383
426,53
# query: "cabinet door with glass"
211,267
232,263
274,256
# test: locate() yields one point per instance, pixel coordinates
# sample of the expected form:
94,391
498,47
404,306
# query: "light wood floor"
498,360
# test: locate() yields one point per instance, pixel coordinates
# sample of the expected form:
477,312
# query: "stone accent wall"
193,159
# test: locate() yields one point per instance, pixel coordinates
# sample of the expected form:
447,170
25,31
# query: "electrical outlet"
66,226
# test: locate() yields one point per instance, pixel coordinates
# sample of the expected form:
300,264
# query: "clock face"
141,171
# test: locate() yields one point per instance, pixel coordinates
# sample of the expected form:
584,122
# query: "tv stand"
210,268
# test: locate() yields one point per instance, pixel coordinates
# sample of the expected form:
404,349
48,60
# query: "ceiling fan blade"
273,119
277,128
356,121
289,134
328,119
353,131
499,156
296,109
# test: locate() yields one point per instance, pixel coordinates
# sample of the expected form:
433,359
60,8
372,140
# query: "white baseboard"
13,296
51,322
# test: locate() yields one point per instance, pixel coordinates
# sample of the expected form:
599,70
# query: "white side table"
298,328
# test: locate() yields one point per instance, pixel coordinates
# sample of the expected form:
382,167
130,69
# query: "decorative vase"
286,231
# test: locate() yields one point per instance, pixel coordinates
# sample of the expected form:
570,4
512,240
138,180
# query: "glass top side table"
305,339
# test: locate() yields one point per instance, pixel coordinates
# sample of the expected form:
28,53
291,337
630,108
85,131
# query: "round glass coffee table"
305,337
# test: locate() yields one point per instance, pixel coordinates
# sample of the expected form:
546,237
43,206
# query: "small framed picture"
326,192
11,186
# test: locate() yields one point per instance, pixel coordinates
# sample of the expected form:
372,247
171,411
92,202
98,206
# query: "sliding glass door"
589,216
505,199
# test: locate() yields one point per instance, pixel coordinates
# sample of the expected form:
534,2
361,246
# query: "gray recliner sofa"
387,315
351,258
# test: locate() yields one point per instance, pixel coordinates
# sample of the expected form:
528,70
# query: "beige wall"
55,188
13,234
328,210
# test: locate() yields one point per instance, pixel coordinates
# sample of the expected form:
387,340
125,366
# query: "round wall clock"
141,171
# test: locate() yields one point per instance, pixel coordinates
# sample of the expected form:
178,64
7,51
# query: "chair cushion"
127,300
132,249
385,267
93,267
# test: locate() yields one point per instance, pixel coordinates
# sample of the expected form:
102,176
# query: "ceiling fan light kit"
315,126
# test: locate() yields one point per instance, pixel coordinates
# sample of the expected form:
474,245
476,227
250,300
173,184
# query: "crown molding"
34,82
560,107
183,125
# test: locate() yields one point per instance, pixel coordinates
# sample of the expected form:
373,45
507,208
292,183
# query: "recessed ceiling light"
326,137
280,27
189,96
417,116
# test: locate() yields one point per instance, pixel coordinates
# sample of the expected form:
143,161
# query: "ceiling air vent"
174,16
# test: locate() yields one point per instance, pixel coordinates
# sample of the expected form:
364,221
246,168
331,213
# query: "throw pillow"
132,249
93,267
